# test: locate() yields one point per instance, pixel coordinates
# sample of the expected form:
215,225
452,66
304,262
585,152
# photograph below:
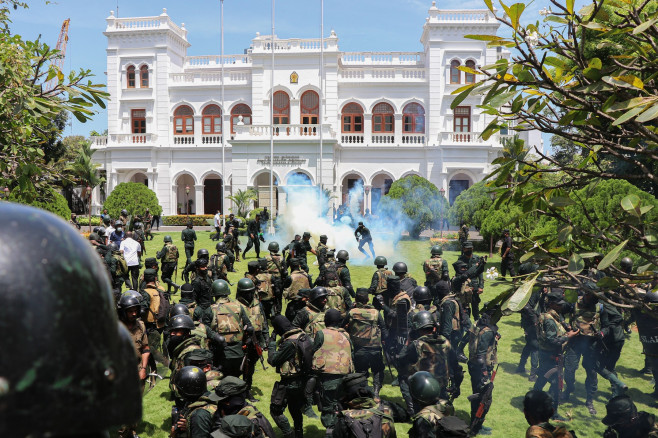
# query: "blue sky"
361,25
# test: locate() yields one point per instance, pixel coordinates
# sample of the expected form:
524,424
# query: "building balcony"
199,78
470,139
215,61
382,58
372,139
386,74
102,141
287,132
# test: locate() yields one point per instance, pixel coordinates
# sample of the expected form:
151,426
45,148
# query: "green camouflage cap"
620,409
234,426
227,387
468,244
198,355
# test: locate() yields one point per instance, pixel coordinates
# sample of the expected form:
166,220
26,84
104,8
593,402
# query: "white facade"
152,140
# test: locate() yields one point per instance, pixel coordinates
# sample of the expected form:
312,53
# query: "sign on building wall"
294,77
282,160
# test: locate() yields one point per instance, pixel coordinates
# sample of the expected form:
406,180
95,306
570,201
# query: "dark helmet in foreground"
381,261
619,410
436,250
202,254
128,300
400,268
424,388
221,246
167,239
182,322
422,294
179,309
40,370
317,293
273,247
626,265
191,382
246,285
220,288
343,255
423,319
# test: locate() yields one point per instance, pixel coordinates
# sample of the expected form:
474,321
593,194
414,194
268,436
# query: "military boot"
376,389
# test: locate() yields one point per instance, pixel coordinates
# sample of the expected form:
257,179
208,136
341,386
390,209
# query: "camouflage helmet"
423,319
422,294
424,388
343,255
436,250
167,239
273,247
626,265
179,309
246,285
191,383
381,261
182,322
44,375
318,292
202,254
220,288
221,246
400,268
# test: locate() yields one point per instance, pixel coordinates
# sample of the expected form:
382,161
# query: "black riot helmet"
626,265
273,247
424,388
202,254
167,239
423,319
124,212
317,293
128,300
380,261
221,246
44,375
343,255
422,295
191,382
183,322
113,247
400,268
179,309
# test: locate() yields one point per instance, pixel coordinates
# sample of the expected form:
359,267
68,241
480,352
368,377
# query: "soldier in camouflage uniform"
233,323
203,296
311,318
332,360
188,236
426,392
190,271
263,282
552,337
463,235
586,319
482,360
229,243
428,352
150,263
219,263
197,416
450,327
181,343
248,299
624,421
286,355
344,276
116,277
361,415
203,359
463,291
168,256
234,426
378,282
276,267
289,249
475,267
423,301
407,282
366,328
321,250
230,398
298,279
436,270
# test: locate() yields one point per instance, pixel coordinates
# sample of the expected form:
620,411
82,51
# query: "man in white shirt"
132,251
217,223
108,232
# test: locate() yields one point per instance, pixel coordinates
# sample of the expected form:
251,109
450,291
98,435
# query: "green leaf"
515,12
501,99
649,114
521,295
612,256
644,268
556,19
645,209
625,81
570,4
555,62
589,255
489,5
630,203
607,283
484,37
460,98
561,201
527,256
595,63
571,295
576,264
628,115
644,26
565,233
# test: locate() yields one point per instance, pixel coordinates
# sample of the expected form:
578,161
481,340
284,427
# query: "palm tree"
242,199
84,171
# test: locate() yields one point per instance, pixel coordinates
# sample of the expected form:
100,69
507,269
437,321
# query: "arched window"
237,111
470,77
212,120
413,119
281,108
184,120
455,73
310,108
382,118
352,118
144,76
130,76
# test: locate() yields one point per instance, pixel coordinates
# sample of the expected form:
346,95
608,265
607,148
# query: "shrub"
182,219
134,197
51,201
84,220
471,205
252,214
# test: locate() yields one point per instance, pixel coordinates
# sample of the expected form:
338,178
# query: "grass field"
505,417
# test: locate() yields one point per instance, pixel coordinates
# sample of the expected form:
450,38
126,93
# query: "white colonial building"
385,115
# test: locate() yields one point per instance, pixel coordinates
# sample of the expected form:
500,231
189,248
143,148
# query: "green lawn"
505,417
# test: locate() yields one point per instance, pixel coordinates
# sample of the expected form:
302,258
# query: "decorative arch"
383,100
352,100
380,172
211,172
469,78
411,172
131,76
238,109
280,88
470,174
354,172
304,89
184,103
457,186
131,174
455,73
299,170
258,173
185,172
208,103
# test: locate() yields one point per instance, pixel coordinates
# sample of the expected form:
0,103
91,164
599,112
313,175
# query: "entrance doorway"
212,195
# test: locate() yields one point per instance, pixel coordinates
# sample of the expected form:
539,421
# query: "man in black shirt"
255,237
507,263
364,234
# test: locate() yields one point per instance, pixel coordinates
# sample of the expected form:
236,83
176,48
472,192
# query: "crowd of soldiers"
330,338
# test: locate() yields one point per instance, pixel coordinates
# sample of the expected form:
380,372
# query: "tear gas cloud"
305,208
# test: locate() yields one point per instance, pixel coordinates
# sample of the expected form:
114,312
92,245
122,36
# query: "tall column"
397,138
198,130
198,194
367,129
173,200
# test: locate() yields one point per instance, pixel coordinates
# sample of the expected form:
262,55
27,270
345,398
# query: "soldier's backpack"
335,299
363,327
122,266
451,427
158,309
172,254
382,277
228,321
304,345
368,425
435,273
217,265
330,275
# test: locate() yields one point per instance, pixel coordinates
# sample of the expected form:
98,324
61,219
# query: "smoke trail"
305,208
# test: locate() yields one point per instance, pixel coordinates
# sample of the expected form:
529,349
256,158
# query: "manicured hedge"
84,220
51,201
182,219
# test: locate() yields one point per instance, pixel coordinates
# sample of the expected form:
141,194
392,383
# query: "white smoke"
306,208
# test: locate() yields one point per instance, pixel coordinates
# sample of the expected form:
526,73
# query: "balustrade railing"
413,138
352,138
119,139
183,139
211,139
382,58
288,131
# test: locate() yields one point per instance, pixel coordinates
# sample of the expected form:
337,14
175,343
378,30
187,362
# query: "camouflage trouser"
329,393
